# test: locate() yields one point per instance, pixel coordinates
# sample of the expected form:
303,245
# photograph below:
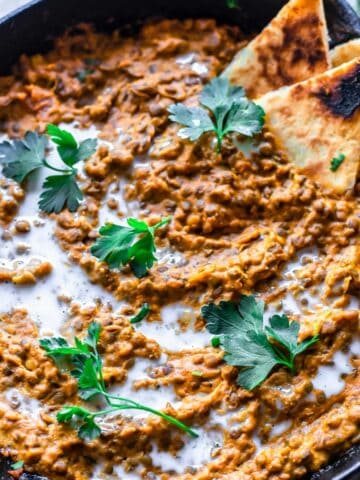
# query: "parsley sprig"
135,244
248,343
336,162
22,157
227,110
85,364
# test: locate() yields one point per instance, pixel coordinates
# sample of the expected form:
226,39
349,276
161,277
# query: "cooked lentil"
239,219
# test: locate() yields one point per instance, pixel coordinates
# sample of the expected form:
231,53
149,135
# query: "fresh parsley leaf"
93,336
67,413
21,157
50,344
142,313
86,367
88,378
60,191
248,343
336,162
63,138
82,419
17,465
286,334
227,111
252,351
89,430
135,244
219,93
69,150
244,117
196,121
228,317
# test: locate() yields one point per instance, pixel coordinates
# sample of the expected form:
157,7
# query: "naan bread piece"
345,52
316,120
292,48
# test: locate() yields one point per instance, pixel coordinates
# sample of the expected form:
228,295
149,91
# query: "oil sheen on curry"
178,294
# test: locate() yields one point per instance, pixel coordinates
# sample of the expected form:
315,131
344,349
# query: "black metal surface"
345,24
32,28
347,467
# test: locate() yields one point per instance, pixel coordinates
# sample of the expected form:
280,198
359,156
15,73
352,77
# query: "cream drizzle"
45,307
169,334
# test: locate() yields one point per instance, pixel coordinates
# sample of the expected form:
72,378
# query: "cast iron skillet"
31,29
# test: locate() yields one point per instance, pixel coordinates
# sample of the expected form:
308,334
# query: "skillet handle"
343,21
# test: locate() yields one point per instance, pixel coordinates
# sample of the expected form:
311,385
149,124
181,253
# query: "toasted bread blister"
291,48
312,109
318,119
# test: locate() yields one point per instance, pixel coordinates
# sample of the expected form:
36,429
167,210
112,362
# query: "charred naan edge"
345,52
316,120
293,47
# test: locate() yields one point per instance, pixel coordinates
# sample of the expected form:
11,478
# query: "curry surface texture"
243,221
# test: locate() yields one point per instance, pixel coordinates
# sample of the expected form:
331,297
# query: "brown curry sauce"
237,219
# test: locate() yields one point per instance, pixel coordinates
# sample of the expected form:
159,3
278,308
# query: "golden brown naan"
315,120
345,52
292,48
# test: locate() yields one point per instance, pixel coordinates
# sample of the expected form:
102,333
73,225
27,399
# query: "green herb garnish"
227,111
232,3
135,244
251,345
336,162
85,364
17,465
22,157
142,313
69,150
60,191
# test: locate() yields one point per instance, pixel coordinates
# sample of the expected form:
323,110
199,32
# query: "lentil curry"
244,221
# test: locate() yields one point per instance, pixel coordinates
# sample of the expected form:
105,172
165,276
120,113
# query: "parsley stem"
115,397
172,420
219,142
162,223
138,406
292,364
103,412
132,405
45,162
279,353
98,363
283,359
